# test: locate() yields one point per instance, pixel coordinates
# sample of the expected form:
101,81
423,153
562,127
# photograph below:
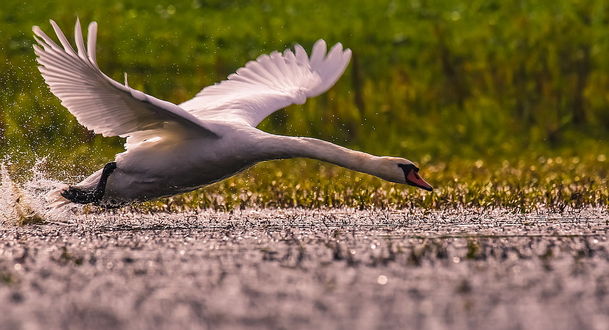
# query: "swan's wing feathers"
98,102
270,83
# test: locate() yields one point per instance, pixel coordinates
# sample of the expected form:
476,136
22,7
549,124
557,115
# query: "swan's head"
403,171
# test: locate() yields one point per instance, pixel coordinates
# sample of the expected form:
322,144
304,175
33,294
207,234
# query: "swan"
172,149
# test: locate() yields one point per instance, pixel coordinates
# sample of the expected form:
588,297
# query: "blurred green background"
474,90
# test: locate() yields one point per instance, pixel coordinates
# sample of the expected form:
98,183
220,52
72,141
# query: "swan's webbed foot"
79,196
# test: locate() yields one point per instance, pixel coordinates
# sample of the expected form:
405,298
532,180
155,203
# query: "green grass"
486,95
556,183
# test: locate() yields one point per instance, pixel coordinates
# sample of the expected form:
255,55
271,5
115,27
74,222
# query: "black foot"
80,196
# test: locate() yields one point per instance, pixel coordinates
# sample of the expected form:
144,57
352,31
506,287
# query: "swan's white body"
172,148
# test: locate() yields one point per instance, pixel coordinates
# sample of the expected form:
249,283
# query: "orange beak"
414,179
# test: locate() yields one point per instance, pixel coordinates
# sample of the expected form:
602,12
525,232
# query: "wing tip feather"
91,42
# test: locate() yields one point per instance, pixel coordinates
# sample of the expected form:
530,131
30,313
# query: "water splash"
28,202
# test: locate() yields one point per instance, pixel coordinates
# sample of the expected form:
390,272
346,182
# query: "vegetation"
503,103
558,183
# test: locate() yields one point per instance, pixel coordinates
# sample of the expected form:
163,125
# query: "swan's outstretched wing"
98,102
270,83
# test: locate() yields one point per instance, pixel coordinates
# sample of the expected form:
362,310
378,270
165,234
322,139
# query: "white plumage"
98,102
177,148
270,83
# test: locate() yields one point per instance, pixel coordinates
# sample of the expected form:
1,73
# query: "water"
303,269
297,268
29,201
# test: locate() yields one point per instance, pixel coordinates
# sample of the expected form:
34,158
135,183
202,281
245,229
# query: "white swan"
172,149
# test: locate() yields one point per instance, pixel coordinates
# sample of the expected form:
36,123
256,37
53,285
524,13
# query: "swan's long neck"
281,147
